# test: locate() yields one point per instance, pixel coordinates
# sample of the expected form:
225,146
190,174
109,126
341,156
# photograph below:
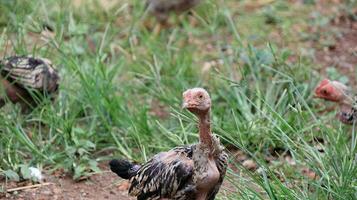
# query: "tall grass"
116,76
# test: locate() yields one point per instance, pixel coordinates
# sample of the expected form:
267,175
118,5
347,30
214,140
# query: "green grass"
114,72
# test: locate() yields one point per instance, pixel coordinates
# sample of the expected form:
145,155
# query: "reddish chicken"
339,93
27,79
193,172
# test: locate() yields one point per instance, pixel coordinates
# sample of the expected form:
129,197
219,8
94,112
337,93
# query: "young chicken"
339,93
26,80
183,173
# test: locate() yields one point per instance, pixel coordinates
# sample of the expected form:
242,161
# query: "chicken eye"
324,92
200,96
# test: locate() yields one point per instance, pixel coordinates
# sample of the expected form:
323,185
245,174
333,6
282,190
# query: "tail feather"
123,168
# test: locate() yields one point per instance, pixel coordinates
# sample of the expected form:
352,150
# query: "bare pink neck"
345,107
205,128
346,104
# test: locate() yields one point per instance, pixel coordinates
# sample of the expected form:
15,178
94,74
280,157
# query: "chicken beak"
316,93
188,105
184,105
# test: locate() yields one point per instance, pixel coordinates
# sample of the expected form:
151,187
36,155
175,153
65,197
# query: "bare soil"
108,186
342,54
105,185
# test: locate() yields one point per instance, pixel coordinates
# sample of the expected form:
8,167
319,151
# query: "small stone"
124,186
308,173
260,170
249,164
240,156
46,192
290,160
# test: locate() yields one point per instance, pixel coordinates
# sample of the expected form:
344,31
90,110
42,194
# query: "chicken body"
194,172
162,8
26,80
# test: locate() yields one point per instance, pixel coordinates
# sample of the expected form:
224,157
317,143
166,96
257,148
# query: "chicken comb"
323,83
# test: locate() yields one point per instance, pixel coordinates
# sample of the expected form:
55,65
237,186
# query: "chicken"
339,93
183,173
27,80
162,8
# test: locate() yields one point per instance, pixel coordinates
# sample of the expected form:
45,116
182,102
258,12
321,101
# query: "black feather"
123,168
164,176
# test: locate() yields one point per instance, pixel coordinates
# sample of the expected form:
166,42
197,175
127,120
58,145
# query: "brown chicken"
193,172
27,80
339,93
161,9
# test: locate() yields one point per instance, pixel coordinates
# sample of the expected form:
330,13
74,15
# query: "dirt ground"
342,54
106,186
